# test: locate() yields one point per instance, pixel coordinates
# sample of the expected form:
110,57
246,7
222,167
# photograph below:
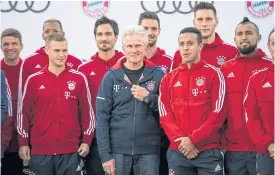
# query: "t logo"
195,91
116,88
67,94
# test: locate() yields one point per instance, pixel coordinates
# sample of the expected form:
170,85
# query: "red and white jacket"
237,72
95,69
57,114
162,60
37,62
259,109
9,131
216,53
191,105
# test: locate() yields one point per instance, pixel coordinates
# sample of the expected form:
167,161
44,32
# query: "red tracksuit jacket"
191,105
237,73
95,69
56,112
162,60
216,53
259,109
6,128
37,62
12,76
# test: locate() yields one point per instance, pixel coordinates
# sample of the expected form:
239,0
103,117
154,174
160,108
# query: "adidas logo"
37,66
218,168
92,73
42,87
177,84
267,85
231,75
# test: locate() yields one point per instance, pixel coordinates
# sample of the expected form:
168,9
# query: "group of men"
119,112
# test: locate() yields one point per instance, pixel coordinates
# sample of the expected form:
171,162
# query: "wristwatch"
146,99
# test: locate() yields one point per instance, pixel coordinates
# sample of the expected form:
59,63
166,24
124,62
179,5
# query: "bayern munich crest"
200,81
260,9
95,8
71,85
221,60
150,85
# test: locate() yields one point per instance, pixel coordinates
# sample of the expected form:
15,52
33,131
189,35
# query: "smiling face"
152,27
11,47
57,52
105,37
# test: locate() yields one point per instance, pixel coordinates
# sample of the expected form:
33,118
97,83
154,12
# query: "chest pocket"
234,82
266,93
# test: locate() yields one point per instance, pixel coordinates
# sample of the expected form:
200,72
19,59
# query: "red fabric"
191,104
95,69
237,73
57,110
162,60
215,53
12,75
259,109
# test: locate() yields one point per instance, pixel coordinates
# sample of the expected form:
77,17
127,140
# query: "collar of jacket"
256,56
194,66
218,41
98,59
147,73
46,70
41,50
158,53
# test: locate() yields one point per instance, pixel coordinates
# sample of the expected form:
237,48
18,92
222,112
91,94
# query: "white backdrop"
78,26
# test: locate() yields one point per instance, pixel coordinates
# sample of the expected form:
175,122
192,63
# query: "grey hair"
137,30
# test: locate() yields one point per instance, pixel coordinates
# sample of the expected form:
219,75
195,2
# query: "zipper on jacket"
133,143
188,104
243,94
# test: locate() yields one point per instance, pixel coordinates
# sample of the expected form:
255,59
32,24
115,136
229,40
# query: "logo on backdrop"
260,9
170,7
22,7
95,8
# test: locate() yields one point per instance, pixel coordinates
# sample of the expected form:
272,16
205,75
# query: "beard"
247,50
152,42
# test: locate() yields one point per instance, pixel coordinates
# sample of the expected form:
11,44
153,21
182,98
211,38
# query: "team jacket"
259,109
124,124
37,62
162,60
12,76
95,69
216,53
6,126
56,112
191,105
237,73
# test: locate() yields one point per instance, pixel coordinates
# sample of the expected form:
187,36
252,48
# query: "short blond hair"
137,30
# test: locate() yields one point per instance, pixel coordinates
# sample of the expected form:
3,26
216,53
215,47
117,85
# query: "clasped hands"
187,148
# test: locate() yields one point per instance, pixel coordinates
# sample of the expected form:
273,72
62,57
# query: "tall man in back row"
215,51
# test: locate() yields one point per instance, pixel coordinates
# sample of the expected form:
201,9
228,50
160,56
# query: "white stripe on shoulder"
266,58
31,55
168,56
84,63
9,98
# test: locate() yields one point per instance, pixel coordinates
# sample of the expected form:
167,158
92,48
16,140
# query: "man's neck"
249,54
106,55
210,39
151,51
56,70
12,62
190,64
135,66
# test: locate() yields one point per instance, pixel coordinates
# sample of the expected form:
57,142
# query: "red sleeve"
253,118
23,75
167,119
25,113
216,118
176,60
86,113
